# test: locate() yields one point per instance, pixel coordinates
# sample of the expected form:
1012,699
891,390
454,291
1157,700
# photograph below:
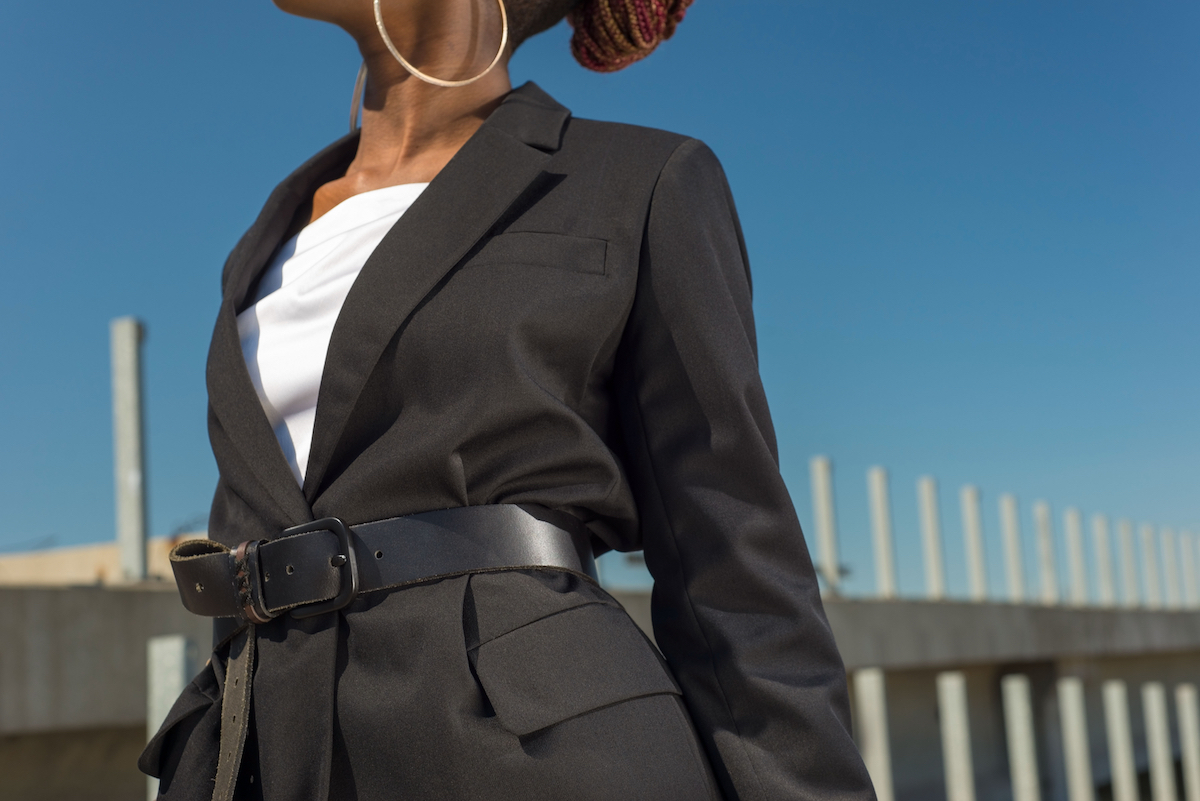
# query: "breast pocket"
559,251
567,664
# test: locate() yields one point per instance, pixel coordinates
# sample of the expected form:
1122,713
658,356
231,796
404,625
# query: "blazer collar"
467,198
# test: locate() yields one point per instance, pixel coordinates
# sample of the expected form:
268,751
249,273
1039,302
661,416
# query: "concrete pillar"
171,662
1189,739
1076,562
1158,742
1076,752
821,474
126,335
1187,567
1018,729
881,532
1129,580
931,538
1150,572
956,736
1045,539
1014,559
1106,585
871,721
1120,741
972,519
1170,564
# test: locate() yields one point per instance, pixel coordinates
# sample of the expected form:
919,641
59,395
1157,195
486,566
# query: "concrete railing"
1169,561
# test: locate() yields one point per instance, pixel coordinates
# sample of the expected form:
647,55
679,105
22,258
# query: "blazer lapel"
491,171
230,390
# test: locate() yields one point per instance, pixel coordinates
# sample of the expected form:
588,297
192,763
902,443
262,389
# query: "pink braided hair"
612,34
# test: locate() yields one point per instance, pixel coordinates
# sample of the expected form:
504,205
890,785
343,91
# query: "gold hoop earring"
387,40
356,98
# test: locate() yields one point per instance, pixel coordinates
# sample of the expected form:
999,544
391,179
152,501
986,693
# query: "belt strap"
310,564
322,566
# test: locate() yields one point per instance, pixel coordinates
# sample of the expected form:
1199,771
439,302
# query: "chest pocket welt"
574,253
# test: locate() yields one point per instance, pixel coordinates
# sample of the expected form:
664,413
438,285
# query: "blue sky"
974,230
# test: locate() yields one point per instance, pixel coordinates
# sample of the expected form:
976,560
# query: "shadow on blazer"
563,318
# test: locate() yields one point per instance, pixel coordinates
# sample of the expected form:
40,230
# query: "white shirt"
285,334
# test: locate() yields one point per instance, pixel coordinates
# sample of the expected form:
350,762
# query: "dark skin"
411,129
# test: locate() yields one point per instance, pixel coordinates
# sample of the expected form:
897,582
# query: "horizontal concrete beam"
920,634
75,658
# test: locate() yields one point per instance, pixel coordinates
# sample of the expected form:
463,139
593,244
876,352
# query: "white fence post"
1189,739
1106,586
1076,563
1170,564
972,519
870,700
1187,566
1014,560
931,538
1120,741
1129,580
1045,535
1158,742
821,474
1018,729
881,530
956,736
1150,567
1073,712
170,665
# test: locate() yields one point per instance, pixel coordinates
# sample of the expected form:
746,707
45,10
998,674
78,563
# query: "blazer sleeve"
736,607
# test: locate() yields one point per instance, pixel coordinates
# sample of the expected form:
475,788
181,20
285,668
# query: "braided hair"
612,34
609,34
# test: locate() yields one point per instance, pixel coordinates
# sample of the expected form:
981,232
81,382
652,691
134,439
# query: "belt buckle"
346,560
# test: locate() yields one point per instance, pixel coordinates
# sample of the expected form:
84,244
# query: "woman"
542,327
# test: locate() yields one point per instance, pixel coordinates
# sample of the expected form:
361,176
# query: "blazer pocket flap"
198,696
575,253
567,664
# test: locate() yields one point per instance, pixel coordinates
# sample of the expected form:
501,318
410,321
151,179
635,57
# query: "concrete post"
871,721
1187,566
956,736
1018,729
931,538
1150,567
126,335
1129,580
1170,565
1158,742
1189,739
821,474
171,662
1076,751
1106,585
973,539
881,531
1076,563
1014,559
1045,535
1120,741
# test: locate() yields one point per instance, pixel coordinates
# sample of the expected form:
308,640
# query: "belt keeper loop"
249,583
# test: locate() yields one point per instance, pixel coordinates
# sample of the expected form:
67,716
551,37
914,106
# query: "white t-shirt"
285,334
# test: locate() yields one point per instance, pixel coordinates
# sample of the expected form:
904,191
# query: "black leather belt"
323,566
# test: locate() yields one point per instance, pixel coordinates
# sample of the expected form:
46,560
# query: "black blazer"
562,318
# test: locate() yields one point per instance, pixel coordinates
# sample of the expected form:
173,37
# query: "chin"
329,10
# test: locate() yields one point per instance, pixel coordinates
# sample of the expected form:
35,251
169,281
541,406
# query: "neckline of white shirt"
356,211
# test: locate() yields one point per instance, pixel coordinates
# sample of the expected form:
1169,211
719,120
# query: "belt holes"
290,570
379,554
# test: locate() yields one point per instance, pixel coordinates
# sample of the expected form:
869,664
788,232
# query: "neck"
411,128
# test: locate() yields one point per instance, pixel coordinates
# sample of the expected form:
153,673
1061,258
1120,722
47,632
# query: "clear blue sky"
974,230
